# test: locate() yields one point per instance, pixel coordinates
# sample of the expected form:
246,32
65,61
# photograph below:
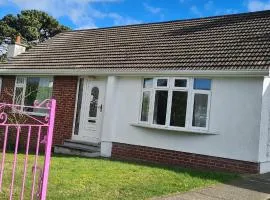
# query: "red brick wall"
64,91
7,90
177,158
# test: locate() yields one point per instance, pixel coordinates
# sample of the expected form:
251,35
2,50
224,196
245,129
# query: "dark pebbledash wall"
184,159
64,91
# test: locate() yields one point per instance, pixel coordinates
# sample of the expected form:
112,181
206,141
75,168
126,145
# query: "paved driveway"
255,187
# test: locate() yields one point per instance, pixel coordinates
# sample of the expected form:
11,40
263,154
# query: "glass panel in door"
93,105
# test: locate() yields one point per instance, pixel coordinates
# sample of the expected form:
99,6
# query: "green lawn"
82,178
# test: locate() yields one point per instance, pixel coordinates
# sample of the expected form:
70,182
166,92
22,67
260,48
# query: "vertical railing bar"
26,161
3,157
14,162
48,150
35,165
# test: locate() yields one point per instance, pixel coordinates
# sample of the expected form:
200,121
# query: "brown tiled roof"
231,42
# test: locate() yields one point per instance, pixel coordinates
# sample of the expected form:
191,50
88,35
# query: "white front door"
92,106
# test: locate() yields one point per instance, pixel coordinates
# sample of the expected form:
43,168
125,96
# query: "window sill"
30,113
36,114
195,131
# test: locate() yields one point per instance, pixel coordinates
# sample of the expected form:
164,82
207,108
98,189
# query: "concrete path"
249,188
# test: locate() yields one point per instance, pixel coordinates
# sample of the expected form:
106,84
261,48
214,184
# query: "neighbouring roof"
230,42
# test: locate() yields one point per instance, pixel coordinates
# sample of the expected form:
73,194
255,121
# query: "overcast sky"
80,14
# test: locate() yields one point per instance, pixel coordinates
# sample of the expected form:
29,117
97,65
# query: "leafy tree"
32,25
7,31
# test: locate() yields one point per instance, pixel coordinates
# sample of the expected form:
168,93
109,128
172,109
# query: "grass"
82,178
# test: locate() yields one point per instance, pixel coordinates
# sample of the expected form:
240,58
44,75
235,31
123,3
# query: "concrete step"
84,145
78,151
83,142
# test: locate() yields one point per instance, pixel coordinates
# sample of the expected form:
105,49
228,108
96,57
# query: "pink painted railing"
15,117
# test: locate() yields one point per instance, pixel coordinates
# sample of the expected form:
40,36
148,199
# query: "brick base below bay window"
178,158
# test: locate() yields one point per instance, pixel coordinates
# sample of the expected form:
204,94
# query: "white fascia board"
132,72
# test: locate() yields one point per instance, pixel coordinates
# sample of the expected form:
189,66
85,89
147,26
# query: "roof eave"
136,72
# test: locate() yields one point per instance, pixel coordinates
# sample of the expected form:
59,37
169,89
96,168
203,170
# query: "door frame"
87,79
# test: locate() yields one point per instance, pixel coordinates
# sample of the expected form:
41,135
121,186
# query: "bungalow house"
193,93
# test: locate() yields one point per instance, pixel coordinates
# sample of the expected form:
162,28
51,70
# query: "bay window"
30,89
176,102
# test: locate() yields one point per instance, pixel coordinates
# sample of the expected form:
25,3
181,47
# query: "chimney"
16,49
18,39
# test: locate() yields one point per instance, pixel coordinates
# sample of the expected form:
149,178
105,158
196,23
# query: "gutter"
135,72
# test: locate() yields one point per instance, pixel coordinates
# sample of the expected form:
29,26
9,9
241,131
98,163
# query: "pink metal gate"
24,124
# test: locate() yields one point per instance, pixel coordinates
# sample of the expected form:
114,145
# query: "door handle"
100,108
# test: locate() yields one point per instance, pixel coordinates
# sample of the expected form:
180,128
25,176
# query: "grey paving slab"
248,188
192,196
232,192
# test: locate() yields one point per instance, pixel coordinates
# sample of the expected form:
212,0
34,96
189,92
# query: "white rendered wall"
264,147
108,124
234,115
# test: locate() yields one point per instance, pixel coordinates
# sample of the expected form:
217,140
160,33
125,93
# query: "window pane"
160,107
79,102
94,102
200,110
31,92
38,89
148,83
180,83
162,82
20,80
202,84
145,106
18,95
178,109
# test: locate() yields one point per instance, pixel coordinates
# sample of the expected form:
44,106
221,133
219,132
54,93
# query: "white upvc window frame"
181,89
150,111
207,112
23,85
1,82
170,88
20,85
